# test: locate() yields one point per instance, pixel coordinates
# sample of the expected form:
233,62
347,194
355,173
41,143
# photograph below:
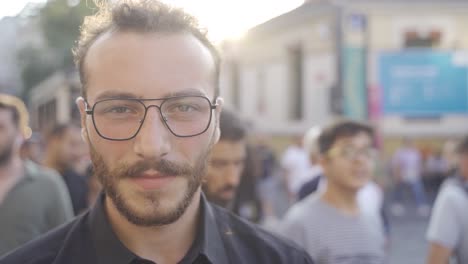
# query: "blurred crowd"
329,182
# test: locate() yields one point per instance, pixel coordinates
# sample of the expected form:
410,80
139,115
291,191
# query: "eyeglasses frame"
90,112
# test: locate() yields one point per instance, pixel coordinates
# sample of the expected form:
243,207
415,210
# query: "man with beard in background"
149,109
231,179
226,161
33,199
66,153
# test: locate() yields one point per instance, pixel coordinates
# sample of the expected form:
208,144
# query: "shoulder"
42,174
303,209
302,220
45,249
38,251
267,246
451,191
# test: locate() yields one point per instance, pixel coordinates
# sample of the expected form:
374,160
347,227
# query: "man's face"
8,133
152,178
226,164
70,147
349,163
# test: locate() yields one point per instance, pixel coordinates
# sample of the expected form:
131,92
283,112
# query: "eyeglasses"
122,119
352,153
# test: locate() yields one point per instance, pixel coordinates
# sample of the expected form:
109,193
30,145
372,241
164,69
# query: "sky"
224,19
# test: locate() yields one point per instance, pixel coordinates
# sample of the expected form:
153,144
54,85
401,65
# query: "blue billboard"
422,83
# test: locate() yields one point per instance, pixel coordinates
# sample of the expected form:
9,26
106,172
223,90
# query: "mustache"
228,188
162,166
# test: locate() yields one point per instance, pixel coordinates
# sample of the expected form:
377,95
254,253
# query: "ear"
81,104
219,108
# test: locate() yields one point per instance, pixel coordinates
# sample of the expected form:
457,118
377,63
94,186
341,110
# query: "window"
296,89
420,39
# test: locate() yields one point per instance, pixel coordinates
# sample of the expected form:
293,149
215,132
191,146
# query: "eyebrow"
128,95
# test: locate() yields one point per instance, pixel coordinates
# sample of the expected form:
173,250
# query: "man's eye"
185,108
119,110
348,152
218,163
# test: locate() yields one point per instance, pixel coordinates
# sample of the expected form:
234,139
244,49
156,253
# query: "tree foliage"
59,23
35,68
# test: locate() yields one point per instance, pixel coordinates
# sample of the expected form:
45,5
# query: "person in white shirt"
296,167
448,228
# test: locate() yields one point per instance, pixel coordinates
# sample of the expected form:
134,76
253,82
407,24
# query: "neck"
10,174
161,244
11,169
343,199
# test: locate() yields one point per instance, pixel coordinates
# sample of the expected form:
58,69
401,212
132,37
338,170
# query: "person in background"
32,148
150,110
226,161
436,169
450,156
370,197
448,227
33,199
407,172
247,202
231,178
296,167
65,150
311,147
331,225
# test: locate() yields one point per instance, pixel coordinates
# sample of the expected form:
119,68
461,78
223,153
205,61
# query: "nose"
153,139
232,174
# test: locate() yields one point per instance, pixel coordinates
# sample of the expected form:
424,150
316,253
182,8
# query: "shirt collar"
212,243
110,249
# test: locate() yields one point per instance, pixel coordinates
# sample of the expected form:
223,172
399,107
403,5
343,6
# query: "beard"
154,215
6,153
215,196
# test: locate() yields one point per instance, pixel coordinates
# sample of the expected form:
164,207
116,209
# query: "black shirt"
221,238
78,188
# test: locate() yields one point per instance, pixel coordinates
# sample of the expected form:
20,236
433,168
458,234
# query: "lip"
361,174
229,194
152,180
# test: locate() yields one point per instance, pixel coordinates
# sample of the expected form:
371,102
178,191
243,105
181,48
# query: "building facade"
400,64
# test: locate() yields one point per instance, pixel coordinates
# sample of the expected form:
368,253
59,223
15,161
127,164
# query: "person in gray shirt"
330,225
448,228
33,199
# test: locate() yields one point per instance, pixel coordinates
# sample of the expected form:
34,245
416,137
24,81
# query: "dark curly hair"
143,16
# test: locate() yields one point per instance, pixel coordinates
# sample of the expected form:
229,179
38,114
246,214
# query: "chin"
356,186
152,208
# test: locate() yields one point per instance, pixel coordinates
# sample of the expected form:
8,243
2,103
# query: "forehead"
148,65
359,139
226,149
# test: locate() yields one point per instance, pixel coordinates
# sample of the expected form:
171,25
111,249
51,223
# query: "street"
407,240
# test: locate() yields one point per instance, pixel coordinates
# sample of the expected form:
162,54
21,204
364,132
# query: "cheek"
211,181
210,174
191,148
111,152
340,166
